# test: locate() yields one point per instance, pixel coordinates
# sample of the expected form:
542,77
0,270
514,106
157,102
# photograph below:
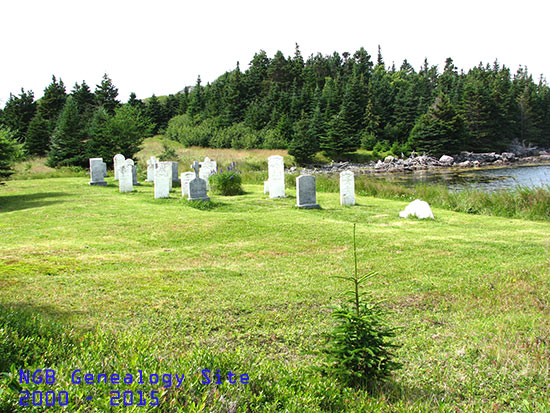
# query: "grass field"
105,282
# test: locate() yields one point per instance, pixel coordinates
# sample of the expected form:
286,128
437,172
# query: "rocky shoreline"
424,162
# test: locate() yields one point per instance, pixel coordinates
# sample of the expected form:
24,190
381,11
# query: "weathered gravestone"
125,177
151,169
163,179
207,168
97,172
118,159
306,196
347,188
186,177
104,165
175,173
134,171
197,186
276,176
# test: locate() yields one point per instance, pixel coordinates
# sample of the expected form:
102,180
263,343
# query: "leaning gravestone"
197,186
347,188
97,173
163,179
186,177
276,176
306,196
118,159
151,169
125,177
207,168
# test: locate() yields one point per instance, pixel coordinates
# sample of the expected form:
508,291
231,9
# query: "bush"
360,351
168,153
228,182
10,151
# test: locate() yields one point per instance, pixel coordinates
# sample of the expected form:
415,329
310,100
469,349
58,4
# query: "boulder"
446,160
389,159
417,208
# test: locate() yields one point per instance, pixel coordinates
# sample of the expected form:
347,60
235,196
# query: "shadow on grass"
27,332
10,203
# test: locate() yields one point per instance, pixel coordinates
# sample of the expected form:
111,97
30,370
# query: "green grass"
112,283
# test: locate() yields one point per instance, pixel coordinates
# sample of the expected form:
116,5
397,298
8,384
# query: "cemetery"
149,270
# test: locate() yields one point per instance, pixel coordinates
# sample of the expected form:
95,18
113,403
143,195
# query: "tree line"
333,103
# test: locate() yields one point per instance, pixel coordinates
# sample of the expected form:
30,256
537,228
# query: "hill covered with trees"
335,103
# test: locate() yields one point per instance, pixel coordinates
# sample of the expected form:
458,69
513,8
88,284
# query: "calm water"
485,179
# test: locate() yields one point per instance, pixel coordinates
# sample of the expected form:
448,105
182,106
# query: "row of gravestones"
195,185
305,185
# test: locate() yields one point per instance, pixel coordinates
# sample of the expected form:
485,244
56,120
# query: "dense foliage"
9,152
226,182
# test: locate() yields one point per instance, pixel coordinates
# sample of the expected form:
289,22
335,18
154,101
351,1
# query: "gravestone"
186,177
207,167
104,165
347,188
276,176
125,177
306,196
163,179
134,171
197,186
97,172
151,169
175,173
118,159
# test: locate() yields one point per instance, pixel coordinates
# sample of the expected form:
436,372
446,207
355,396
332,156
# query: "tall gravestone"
306,195
104,165
347,188
134,171
118,159
197,186
97,172
163,179
125,177
175,173
207,167
151,169
276,176
186,177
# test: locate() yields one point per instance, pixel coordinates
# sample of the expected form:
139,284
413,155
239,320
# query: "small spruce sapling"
359,350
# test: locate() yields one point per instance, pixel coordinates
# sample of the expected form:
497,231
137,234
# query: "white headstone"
207,167
306,195
186,177
118,159
347,188
417,208
125,178
276,176
97,172
266,187
151,169
163,179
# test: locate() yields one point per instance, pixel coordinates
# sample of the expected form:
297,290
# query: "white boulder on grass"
417,208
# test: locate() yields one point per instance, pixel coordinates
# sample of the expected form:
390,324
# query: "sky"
161,46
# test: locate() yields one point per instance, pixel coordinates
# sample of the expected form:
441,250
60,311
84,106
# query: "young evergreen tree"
127,129
303,146
84,99
53,101
440,131
106,95
67,140
196,101
155,111
339,138
37,141
100,143
10,150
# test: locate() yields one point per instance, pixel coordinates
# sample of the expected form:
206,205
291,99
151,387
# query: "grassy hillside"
105,282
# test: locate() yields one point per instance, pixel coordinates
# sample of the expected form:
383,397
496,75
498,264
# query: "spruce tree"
155,111
196,101
85,100
10,150
106,95
303,146
37,141
53,101
18,113
440,131
67,140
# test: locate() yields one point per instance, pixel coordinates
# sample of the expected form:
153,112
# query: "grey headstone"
97,171
197,186
347,188
276,176
104,169
186,177
306,196
175,173
125,178
118,159
163,179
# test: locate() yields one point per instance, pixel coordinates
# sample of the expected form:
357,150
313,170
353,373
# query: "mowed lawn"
249,283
